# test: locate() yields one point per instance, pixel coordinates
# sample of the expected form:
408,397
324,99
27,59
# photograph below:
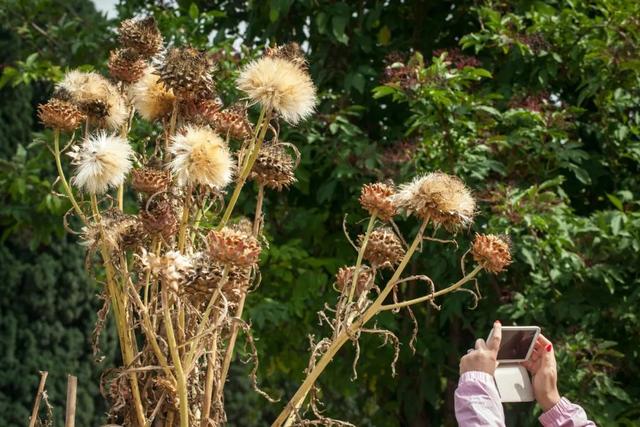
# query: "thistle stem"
175,356
263,125
434,295
208,387
257,220
65,184
182,234
343,337
361,251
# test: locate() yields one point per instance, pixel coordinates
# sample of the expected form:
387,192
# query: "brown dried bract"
491,252
232,247
290,51
188,72
59,114
160,219
126,65
231,121
274,167
344,278
141,35
384,248
150,181
376,199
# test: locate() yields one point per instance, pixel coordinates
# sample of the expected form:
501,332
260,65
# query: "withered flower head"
61,115
151,98
102,161
160,219
384,248
117,230
141,35
274,167
95,96
441,198
281,85
126,65
231,121
205,278
377,198
172,267
491,252
290,51
344,278
150,180
233,247
200,156
188,72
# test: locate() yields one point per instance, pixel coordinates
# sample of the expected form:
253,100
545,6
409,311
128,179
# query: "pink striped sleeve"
477,402
565,414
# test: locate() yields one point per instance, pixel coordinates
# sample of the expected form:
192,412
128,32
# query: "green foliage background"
534,104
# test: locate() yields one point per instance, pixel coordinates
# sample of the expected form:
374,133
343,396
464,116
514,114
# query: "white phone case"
513,383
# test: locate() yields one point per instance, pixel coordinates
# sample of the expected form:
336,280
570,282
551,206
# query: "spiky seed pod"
290,51
141,35
233,247
384,249
205,278
377,198
117,230
231,121
365,280
274,167
281,85
102,161
172,267
151,98
95,96
200,156
126,65
61,115
149,180
160,219
441,198
188,72
491,252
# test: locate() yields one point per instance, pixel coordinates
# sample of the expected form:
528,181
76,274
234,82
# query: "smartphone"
517,343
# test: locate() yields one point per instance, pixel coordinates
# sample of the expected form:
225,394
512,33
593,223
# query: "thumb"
496,337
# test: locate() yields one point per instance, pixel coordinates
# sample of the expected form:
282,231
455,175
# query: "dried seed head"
188,72
149,180
141,35
441,198
384,249
95,96
344,278
126,65
160,219
121,231
233,247
290,51
231,121
61,115
200,156
151,98
205,278
102,161
491,252
172,267
281,85
274,167
377,198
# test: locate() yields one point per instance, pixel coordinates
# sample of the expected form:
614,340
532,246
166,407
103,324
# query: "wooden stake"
36,405
72,388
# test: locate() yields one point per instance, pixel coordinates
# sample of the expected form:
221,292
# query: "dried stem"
70,414
361,251
36,405
186,206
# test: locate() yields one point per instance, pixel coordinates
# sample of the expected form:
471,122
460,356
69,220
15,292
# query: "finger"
469,351
528,365
480,344
496,337
548,356
544,341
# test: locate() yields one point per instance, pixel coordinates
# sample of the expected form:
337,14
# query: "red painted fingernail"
548,347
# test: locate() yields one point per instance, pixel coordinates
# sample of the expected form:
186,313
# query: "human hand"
484,357
542,365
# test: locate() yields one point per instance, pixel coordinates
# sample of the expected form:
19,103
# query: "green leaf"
384,36
194,12
615,201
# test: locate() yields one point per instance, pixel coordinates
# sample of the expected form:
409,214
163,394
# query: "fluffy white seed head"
279,84
95,96
200,156
151,98
102,161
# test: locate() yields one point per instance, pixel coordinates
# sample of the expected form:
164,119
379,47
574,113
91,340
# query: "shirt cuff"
477,376
558,412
